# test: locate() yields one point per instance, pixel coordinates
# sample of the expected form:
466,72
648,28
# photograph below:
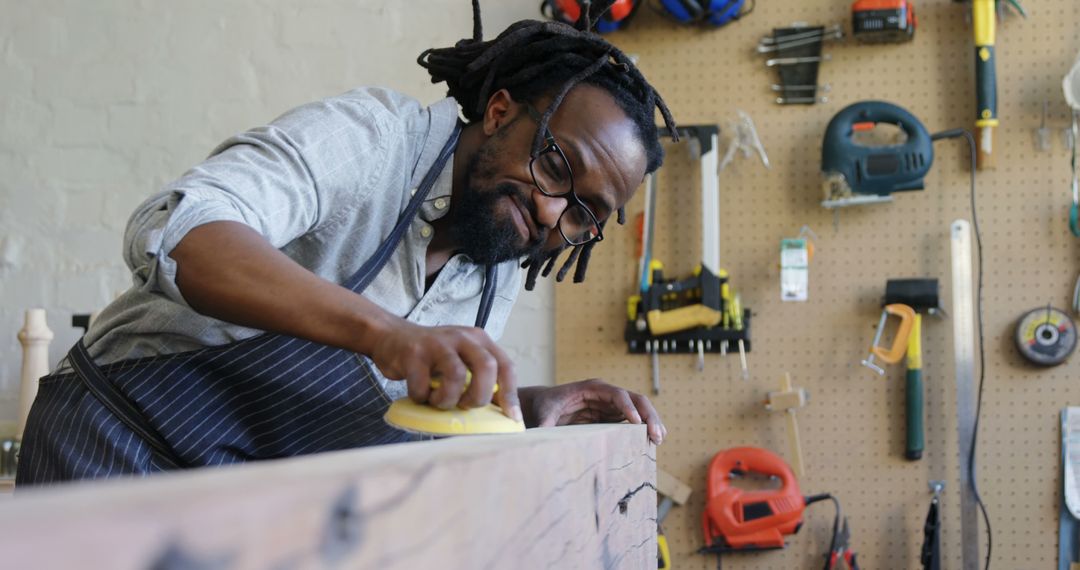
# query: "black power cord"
951,134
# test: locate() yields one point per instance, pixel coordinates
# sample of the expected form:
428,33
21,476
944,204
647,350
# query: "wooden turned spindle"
34,337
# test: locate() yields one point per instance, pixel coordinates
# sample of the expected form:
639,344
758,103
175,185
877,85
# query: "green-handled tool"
914,390
922,295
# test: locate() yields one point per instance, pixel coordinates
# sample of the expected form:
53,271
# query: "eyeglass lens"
553,176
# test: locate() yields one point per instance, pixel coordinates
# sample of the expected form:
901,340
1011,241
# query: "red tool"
614,17
840,549
741,520
735,519
883,21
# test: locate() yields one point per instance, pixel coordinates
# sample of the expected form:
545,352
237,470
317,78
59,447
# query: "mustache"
516,194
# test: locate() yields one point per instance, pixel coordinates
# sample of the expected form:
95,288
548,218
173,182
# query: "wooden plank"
669,486
568,497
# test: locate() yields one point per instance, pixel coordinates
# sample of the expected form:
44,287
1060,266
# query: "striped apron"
264,397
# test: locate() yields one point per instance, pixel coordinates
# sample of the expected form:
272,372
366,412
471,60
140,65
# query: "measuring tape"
1046,336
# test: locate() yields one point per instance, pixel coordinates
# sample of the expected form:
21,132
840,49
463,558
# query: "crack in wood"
628,550
414,481
622,504
558,489
621,467
632,462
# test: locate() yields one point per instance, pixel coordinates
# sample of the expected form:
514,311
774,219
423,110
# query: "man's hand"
417,354
590,401
228,271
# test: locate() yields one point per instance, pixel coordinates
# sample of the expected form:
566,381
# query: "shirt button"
440,203
425,231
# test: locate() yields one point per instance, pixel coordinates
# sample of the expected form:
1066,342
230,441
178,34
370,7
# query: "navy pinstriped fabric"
265,397
270,396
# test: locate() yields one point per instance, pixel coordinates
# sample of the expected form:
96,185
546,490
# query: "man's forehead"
590,115
584,101
591,127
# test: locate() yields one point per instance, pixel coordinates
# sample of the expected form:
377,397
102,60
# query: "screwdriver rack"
715,340
718,339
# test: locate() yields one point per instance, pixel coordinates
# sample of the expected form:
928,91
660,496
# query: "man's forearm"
228,271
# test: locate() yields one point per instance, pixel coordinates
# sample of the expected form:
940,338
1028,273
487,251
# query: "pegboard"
853,428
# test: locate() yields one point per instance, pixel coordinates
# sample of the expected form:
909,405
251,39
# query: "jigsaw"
855,173
737,520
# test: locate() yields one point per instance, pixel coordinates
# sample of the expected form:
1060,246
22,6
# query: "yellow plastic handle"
681,319
900,340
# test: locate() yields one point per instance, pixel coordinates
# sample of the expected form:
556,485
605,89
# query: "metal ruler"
964,353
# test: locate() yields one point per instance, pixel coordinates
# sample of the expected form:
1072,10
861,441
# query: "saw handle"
900,341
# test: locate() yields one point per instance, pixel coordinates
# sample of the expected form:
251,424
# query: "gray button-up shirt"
324,183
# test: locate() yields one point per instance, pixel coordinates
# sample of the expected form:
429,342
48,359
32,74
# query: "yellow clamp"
900,341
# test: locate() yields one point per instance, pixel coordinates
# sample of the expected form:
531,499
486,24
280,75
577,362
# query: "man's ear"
501,108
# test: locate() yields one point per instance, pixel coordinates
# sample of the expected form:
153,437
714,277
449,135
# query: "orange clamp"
900,340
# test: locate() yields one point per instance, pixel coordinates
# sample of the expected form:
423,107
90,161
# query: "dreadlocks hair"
532,59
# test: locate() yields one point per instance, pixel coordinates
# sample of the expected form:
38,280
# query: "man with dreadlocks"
246,335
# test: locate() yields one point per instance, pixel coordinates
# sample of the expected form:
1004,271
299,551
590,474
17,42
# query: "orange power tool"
736,519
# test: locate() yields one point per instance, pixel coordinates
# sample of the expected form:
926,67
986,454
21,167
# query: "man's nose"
548,209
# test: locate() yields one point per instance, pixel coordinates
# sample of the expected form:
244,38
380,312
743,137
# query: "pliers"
841,549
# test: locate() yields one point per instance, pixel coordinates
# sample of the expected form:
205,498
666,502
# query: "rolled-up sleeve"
304,170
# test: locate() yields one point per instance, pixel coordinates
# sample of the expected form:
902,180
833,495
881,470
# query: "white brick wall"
103,102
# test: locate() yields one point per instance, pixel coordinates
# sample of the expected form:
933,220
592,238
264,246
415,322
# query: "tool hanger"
701,313
795,53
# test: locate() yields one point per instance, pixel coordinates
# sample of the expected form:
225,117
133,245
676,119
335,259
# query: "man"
310,271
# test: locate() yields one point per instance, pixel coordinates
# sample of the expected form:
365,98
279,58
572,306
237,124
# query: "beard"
479,229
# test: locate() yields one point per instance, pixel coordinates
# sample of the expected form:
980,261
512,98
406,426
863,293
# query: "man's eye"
579,215
554,168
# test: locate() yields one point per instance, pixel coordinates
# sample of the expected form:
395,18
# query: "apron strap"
367,272
98,385
487,297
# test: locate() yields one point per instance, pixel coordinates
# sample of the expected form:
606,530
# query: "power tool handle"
983,21
915,443
841,127
748,459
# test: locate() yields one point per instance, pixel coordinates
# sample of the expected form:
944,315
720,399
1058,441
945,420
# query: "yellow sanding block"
425,419
421,418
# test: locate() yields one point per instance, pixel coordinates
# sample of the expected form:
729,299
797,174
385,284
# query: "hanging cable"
950,134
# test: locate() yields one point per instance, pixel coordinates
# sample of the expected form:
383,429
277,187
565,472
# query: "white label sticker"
794,270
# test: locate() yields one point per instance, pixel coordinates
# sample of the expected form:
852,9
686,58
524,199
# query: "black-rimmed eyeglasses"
552,176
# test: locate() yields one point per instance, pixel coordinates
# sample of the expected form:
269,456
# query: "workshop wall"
853,427
104,102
